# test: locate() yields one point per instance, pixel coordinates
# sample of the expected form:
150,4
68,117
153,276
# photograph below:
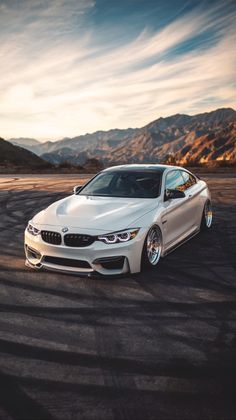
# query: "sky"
68,67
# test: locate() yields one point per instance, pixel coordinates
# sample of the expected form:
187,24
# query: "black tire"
150,259
206,221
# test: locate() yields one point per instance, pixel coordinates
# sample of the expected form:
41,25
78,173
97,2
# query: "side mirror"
172,194
77,188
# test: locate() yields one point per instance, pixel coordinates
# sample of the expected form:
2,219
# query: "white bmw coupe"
125,218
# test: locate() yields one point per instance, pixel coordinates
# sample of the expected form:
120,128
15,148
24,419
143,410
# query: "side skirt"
172,248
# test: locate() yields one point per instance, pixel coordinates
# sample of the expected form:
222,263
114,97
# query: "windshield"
145,184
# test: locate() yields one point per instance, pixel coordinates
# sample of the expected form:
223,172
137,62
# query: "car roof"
143,167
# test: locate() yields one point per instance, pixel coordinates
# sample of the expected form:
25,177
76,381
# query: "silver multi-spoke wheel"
208,214
153,245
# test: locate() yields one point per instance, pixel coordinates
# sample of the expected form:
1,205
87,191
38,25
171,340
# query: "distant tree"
170,160
93,165
226,163
191,162
64,165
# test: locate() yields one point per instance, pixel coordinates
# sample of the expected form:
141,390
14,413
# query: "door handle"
190,195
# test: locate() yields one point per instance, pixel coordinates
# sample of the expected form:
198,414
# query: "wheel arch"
154,250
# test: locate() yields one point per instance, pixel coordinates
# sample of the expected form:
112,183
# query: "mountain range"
205,137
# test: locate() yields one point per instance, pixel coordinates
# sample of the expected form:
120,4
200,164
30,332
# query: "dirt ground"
160,345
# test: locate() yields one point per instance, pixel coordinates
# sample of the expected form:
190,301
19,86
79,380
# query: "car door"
178,219
191,188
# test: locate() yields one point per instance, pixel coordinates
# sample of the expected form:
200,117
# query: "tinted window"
189,180
174,181
144,184
102,182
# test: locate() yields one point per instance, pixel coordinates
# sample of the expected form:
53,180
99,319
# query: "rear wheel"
207,216
152,247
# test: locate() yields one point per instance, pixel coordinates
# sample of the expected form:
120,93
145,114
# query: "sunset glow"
73,67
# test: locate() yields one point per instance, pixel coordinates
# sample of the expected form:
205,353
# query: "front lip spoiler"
93,274
34,266
42,267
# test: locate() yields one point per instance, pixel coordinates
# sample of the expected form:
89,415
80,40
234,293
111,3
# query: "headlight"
33,230
115,237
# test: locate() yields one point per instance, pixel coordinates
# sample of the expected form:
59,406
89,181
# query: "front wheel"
152,248
206,216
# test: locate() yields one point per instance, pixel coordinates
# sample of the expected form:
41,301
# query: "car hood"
95,213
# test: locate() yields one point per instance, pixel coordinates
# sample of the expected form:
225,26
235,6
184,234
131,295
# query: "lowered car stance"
124,219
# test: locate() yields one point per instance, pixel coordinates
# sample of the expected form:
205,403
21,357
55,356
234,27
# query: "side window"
174,181
189,180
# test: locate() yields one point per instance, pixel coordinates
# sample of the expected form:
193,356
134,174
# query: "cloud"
57,81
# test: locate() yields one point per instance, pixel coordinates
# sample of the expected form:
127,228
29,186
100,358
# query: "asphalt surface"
160,345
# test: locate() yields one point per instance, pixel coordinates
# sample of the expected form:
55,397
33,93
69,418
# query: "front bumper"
112,259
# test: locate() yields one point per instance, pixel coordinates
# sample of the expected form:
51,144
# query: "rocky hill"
217,145
203,137
15,157
27,143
